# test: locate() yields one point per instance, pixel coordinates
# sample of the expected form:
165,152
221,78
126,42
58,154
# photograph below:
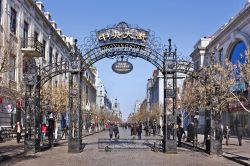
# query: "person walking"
51,128
56,129
239,130
190,132
146,130
180,132
139,131
116,131
154,128
44,131
239,134
226,133
111,130
63,128
18,129
134,130
131,129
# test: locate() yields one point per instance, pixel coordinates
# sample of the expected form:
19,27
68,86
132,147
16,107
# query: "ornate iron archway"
121,40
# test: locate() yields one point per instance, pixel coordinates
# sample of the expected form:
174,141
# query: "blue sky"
185,21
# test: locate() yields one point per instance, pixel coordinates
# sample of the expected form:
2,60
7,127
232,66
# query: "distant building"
137,107
116,108
103,102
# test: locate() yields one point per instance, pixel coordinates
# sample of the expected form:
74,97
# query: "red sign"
19,103
236,106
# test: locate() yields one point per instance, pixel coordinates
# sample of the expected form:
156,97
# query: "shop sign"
122,33
236,106
122,67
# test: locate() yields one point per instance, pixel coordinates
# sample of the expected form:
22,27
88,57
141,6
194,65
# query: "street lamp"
169,74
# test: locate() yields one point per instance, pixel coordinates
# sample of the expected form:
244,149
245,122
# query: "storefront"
237,116
11,108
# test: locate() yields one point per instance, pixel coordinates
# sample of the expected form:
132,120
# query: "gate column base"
171,147
32,146
75,145
215,147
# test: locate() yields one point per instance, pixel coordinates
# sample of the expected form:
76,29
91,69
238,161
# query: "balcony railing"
31,47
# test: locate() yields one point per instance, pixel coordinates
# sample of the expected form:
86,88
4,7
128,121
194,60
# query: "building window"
12,63
196,65
35,37
50,55
13,19
238,53
56,58
220,56
0,11
44,48
238,57
25,34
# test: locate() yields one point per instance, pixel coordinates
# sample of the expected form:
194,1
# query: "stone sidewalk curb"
232,157
235,158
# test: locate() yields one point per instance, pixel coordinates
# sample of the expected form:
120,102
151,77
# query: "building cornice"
236,22
53,30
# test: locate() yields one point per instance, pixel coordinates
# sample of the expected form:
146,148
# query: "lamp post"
169,121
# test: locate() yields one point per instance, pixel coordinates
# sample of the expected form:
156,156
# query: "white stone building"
229,41
116,108
21,22
103,101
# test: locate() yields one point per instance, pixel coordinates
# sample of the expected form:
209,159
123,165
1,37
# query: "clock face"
170,65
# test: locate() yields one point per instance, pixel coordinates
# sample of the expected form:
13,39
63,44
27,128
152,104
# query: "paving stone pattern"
91,156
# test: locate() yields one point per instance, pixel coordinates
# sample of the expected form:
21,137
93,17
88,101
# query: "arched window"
238,56
238,53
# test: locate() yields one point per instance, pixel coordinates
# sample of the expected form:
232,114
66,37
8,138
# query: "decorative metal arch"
93,50
111,42
145,53
52,70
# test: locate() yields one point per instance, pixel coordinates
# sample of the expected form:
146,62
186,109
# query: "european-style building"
24,24
230,41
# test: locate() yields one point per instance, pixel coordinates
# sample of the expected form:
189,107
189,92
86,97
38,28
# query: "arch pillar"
32,107
74,107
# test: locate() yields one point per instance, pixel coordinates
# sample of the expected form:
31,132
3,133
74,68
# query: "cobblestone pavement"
91,156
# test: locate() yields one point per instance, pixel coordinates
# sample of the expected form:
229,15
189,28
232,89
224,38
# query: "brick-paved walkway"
91,156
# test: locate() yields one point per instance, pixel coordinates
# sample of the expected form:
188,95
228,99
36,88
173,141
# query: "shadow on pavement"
238,156
9,161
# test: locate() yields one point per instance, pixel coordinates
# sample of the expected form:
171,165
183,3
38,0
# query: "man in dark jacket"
239,134
111,130
116,131
180,132
239,130
139,130
51,127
